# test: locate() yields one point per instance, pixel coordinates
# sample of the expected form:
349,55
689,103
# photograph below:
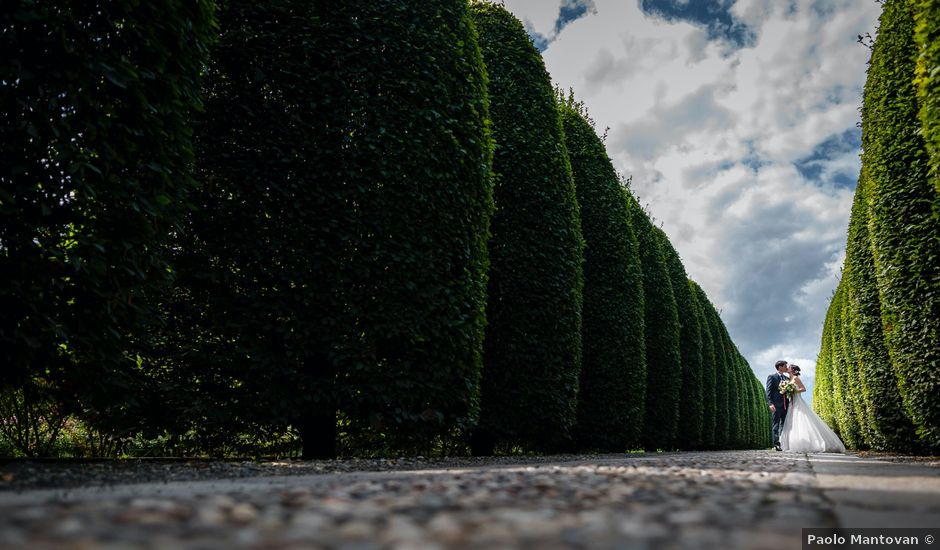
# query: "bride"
803,431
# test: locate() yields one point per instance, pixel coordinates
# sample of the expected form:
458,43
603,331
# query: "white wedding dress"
804,432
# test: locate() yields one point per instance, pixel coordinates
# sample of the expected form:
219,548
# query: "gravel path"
742,499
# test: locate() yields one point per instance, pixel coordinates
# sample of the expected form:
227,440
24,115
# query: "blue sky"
816,166
738,121
567,11
715,16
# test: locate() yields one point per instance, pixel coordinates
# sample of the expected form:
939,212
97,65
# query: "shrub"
689,381
927,36
613,370
735,422
763,415
904,218
663,360
95,147
702,306
844,413
747,403
337,259
533,336
722,380
823,387
854,380
31,419
890,427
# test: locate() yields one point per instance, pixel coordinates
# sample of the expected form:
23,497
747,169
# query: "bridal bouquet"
787,389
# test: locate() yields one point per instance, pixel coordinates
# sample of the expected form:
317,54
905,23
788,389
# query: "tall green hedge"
533,337
853,393
763,416
751,406
743,401
748,421
691,407
732,368
613,369
757,407
841,365
734,403
891,428
823,387
95,148
859,244
927,37
904,217
337,258
709,360
663,360
702,305
722,379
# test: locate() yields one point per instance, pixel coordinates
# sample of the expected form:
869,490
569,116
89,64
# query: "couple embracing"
796,427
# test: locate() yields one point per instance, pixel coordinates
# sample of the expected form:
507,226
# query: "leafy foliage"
31,419
730,375
877,375
841,388
904,217
326,285
740,438
690,405
763,416
927,36
95,147
709,363
337,256
533,337
663,360
852,395
722,411
613,373
823,402
890,428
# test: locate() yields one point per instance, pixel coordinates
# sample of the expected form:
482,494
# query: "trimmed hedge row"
844,414
709,363
881,341
822,388
883,330
681,394
663,361
380,185
613,369
887,424
729,385
533,337
904,220
337,259
95,148
927,36
690,408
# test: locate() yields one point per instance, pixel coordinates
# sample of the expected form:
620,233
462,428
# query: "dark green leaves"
613,371
533,338
95,105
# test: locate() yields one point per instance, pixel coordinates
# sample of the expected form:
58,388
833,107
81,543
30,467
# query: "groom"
778,403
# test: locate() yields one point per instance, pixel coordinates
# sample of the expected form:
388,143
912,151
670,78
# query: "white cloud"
710,135
666,126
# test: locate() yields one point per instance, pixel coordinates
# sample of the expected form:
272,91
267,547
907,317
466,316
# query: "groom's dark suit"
779,402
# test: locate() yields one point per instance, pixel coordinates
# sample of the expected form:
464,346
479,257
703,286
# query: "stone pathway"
877,493
734,499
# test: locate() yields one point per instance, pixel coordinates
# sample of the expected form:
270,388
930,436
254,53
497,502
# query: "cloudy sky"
738,122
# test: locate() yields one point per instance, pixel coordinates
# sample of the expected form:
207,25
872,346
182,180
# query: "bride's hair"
796,369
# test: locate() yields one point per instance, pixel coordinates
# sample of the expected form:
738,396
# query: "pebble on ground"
746,499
